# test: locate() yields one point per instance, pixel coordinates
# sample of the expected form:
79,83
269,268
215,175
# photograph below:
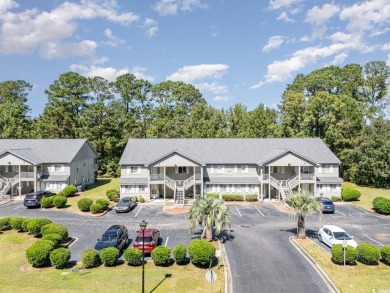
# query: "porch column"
194,187
35,178
299,179
201,181
164,183
20,185
269,183
315,181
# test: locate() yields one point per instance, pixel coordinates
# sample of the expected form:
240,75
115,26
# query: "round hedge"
385,253
5,223
103,203
24,224
381,205
47,202
368,253
338,254
201,252
69,190
17,223
54,228
34,225
59,201
111,194
95,208
90,258
59,257
349,194
109,255
179,253
133,257
55,238
39,253
84,204
161,256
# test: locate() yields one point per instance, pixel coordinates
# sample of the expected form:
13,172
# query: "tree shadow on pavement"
312,234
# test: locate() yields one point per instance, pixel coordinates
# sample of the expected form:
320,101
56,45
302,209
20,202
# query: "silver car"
125,205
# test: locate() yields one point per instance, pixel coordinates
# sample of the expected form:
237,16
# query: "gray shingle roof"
226,150
52,178
40,151
329,180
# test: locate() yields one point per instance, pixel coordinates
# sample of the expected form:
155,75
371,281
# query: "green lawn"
95,191
368,194
17,275
354,279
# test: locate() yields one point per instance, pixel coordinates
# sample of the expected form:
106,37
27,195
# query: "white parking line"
341,213
259,211
138,212
166,241
373,240
18,207
238,212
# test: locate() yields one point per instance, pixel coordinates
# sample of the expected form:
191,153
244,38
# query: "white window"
58,168
228,188
279,169
305,170
182,170
218,188
233,188
326,169
214,188
246,188
238,187
223,188
241,169
217,169
133,169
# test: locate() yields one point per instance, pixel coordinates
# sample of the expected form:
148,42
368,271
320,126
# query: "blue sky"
233,51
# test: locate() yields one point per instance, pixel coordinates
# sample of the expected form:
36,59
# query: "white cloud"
386,47
339,59
388,60
139,72
221,99
45,32
171,7
318,16
366,15
212,87
7,5
112,40
278,4
284,16
189,74
274,42
151,25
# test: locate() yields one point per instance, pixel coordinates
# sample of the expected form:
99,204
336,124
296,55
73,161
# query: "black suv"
34,199
115,236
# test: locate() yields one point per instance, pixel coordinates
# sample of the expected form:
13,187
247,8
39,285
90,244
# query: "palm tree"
302,204
209,212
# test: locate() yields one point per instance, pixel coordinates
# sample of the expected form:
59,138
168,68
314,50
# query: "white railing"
198,176
307,176
29,175
5,189
188,182
265,176
292,182
14,180
170,183
156,176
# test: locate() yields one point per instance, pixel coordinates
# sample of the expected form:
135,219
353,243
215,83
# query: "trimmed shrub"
69,190
34,225
335,198
201,252
54,228
90,258
141,199
338,254
61,193
161,256
135,197
16,223
232,197
179,253
24,224
47,202
5,223
111,194
59,257
215,195
385,253
251,197
368,253
59,201
381,205
39,253
84,204
109,255
95,208
349,194
55,238
133,256
103,203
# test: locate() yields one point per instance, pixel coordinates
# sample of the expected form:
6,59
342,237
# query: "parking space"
264,211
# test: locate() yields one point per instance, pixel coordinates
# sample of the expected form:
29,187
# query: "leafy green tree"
14,122
238,121
263,123
209,212
303,204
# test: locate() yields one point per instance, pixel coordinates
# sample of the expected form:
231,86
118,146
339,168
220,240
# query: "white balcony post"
35,178
20,186
165,189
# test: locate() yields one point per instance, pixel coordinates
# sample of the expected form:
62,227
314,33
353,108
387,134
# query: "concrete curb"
228,273
324,276
76,212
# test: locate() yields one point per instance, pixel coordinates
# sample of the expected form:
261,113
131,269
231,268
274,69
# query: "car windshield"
30,196
147,239
341,236
108,238
327,201
125,201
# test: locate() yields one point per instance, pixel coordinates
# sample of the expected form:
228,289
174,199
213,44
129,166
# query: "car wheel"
320,237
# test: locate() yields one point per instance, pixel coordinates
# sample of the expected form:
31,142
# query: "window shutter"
235,168
330,168
320,169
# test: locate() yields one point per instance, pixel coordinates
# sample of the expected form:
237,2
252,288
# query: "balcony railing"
26,175
307,176
156,177
265,176
198,176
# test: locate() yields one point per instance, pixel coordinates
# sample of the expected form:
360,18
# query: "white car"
331,235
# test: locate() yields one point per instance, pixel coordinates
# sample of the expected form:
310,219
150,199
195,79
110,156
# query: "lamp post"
142,225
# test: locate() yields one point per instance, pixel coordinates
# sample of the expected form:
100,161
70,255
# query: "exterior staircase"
285,190
7,183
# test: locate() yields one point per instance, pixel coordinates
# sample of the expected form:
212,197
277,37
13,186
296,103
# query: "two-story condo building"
28,165
270,168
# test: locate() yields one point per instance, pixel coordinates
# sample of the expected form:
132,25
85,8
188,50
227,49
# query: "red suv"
152,237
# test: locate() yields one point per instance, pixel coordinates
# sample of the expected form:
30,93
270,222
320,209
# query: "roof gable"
172,153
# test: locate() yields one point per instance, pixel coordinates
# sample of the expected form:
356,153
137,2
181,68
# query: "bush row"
381,205
234,197
365,253
201,252
87,205
58,201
